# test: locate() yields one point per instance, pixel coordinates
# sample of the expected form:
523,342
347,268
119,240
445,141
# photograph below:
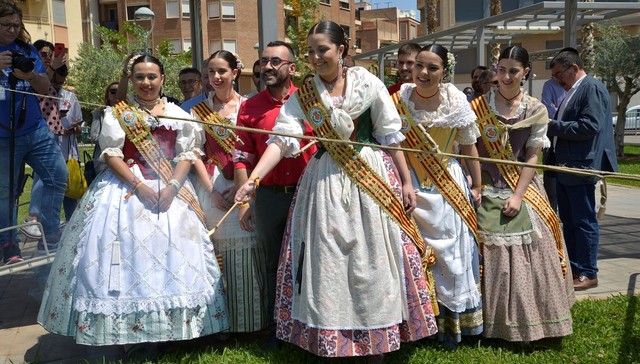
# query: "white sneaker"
31,231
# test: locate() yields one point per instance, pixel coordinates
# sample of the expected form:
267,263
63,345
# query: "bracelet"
132,191
244,204
477,185
256,182
174,182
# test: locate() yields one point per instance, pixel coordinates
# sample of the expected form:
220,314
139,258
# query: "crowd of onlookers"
346,246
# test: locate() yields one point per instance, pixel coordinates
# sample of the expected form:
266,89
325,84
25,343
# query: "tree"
432,16
617,62
586,45
96,67
303,15
495,9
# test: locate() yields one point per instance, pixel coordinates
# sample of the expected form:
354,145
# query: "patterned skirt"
328,302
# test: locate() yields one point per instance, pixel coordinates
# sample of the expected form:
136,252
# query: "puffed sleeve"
538,137
111,138
384,115
200,138
290,121
187,135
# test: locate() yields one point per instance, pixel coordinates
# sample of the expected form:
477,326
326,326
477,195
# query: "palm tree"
495,9
586,45
432,16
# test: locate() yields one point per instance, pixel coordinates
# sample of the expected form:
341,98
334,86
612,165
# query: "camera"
21,62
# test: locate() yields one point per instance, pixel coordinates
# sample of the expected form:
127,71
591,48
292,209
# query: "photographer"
24,132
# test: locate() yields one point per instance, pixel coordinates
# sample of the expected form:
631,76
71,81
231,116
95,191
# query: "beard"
273,78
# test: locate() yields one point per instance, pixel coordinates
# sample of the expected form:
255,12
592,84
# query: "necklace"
147,104
509,101
427,97
330,84
225,102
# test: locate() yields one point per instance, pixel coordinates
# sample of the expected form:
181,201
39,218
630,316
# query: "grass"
605,331
629,164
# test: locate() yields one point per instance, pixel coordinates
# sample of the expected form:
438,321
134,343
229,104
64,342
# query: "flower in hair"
451,64
132,60
239,61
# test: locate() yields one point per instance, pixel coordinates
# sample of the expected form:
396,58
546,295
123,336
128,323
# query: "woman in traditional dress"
350,281
526,296
243,266
136,264
438,113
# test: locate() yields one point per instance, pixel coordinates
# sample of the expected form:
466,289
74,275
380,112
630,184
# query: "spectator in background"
255,76
190,82
552,95
468,91
582,135
110,99
406,58
34,143
204,93
488,80
475,81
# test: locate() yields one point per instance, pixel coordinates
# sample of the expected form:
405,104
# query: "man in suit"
582,138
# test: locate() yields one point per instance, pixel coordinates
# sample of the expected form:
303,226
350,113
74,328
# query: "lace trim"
500,239
454,110
186,156
116,306
521,108
393,138
111,152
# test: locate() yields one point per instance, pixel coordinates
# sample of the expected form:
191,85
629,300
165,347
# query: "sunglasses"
275,61
113,91
256,74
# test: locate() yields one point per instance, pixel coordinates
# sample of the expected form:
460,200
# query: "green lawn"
605,331
630,164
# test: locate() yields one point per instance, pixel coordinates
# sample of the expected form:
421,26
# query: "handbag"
76,183
89,167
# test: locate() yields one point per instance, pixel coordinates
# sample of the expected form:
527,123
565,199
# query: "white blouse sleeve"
384,115
187,135
111,138
290,121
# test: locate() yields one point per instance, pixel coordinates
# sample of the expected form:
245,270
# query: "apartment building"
230,25
57,21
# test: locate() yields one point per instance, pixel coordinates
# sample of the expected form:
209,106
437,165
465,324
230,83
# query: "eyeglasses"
492,82
257,74
46,54
557,75
190,82
275,61
9,26
113,91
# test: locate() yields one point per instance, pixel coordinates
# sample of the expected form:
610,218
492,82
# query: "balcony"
32,19
113,25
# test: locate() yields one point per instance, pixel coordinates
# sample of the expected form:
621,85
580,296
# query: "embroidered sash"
491,130
433,167
224,138
365,177
132,122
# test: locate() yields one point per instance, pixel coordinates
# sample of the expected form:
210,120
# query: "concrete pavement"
23,340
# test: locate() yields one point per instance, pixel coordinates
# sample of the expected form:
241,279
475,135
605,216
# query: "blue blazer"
585,135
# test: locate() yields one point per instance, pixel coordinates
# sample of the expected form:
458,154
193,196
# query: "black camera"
21,62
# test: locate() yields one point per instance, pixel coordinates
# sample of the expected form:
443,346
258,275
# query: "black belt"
283,189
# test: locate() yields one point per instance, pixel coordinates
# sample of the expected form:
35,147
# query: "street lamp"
144,13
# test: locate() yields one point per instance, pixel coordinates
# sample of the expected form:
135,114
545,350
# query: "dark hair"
7,8
519,54
255,64
106,92
189,70
440,51
231,60
145,57
334,32
41,43
478,68
279,43
409,48
567,57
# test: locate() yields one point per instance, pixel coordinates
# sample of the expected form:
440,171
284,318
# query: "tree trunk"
586,45
495,9
623,103
432,16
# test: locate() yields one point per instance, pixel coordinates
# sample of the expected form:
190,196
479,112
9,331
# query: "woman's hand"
246,191
512,206
59,61
165,197
476,195
408,198
246,218
6,59
148,197
223,201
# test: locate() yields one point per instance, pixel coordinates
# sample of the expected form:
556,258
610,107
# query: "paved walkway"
23,340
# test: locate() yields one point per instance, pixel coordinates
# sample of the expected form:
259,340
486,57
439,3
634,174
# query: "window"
228,10
186,44
173,10
346,31
213,8
344,5
403,31
552,44
59,14
326,2
131,10
229,45
175,45
413,32
214,46
185,8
